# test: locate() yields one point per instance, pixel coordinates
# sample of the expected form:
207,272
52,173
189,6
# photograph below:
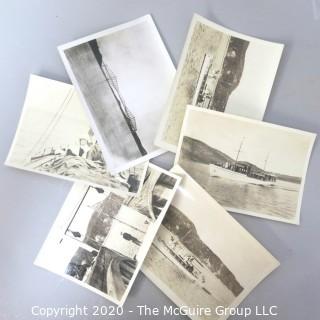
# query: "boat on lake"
242,171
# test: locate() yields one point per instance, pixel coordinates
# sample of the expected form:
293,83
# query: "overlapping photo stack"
128,105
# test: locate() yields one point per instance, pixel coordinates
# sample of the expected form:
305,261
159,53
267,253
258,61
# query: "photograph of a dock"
201,256
262,165
54,137
101,238
123,76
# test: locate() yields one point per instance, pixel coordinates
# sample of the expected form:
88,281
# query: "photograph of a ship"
262,165
123,76
179,242
104,237
217,70
216,83
201,256
54,138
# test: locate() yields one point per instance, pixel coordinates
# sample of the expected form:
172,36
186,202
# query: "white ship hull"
206,279
160,245
216,171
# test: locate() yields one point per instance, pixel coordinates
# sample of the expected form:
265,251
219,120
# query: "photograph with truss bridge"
123,76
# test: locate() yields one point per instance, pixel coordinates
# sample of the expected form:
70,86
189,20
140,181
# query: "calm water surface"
280,200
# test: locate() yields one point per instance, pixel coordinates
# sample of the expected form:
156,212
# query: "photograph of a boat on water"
217,70
262,165
100,238
54,138
201,257
123,76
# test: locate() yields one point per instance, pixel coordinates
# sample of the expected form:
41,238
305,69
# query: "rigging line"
56,117
43,136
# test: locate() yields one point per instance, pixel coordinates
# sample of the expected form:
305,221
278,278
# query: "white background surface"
30,33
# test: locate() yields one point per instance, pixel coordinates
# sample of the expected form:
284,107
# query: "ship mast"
239,150
185,235
265,162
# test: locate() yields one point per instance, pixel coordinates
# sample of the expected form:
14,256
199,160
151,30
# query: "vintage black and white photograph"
54,138
123,76
101,238
218,70
201,256
262,165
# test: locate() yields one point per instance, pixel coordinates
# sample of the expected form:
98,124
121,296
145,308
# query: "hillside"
199,151
177,223
289,178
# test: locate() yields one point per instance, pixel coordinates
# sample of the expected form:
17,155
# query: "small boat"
175,252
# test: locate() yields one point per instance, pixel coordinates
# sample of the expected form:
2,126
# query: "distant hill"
287,178
199,151
177,223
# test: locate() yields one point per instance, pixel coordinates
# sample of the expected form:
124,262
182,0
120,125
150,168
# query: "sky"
45,99
287,150
250,98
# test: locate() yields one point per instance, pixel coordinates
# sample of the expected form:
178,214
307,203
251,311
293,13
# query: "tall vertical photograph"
201,257
218,70
54,137
262,165
218,79
123,76
100,238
